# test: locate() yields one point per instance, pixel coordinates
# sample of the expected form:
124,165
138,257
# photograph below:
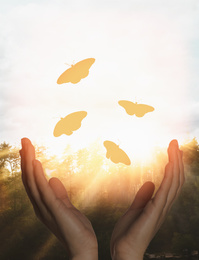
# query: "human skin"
53,207
136,228
132,233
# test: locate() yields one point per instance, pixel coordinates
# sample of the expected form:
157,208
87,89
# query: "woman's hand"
53,207
136,228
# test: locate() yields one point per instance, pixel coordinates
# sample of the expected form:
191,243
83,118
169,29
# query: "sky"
145,52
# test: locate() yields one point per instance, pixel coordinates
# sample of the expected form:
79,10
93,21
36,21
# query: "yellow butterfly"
115,154
135,109
77,72
69,123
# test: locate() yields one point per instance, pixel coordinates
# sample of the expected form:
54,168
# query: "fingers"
142,197
48,197
46,193
41,194
27,158
160,198
176,173
45,200
174,156
181,167
60,191
178,179
171,181
56,205
38,189
173,144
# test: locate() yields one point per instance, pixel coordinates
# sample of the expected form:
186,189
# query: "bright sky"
145,51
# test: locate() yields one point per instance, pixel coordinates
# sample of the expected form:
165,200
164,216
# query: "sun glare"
138,147
56,147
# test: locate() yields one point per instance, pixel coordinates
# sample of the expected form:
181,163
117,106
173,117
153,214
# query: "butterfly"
76,72
115,154
135,109
69,123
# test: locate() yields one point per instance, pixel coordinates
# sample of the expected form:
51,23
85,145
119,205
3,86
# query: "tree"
4,154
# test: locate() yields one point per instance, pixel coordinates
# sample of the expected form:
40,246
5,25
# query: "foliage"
103,191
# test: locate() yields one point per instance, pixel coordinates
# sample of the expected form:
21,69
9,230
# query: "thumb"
143,196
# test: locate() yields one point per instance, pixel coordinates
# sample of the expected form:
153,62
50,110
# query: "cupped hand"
53,207
136,228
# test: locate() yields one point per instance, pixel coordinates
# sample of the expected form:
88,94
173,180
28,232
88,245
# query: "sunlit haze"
143,53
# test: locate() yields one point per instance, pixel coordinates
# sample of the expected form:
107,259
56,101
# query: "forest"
103,191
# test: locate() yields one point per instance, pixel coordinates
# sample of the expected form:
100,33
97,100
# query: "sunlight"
136,143
49,173
56,147
141,67
4,152
115,78
91,190
130,88
137,139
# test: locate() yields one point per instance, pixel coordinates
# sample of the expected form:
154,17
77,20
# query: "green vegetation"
100,189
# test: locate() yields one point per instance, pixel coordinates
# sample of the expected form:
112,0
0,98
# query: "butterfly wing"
65,76
110,147
77,72
129,106
135,109
58,130
142,109
115,154
69,123
81,69
123,157
84,64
